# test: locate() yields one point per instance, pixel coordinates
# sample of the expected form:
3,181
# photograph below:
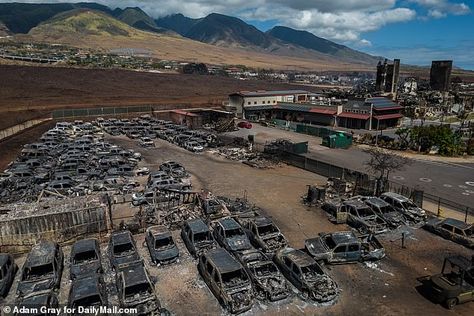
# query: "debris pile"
247,156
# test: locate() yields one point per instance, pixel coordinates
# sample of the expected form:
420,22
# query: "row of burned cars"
70,159
146,128
376,215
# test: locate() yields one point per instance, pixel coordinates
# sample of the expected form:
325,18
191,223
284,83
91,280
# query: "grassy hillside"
137,18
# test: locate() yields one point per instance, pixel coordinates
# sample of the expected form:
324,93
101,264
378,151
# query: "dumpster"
338,140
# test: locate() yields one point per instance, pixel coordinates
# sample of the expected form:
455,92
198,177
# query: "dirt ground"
388,287
25,89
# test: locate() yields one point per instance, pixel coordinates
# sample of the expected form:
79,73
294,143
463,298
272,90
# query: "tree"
381,163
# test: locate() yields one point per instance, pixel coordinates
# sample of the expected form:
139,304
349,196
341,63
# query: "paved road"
451,181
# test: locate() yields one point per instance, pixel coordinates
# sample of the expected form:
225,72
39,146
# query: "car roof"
84,245
122,237
376,201
3,258
344,237
262,221
222,260
158,230
36,299
198,225
457,223
42,253
134,274
228,223
355,203
85,287
395,196
298,257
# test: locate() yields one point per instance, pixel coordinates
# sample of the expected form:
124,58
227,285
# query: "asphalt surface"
450,181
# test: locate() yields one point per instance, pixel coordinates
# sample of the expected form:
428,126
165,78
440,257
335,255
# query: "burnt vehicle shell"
42,269
230,235
454,285
122,249
344,247
268,282
452,229
264,234
85,258
135,290
87,292
161,245
8,269
306,275
197,237
227,280
404,205
36,300
387,212
362,218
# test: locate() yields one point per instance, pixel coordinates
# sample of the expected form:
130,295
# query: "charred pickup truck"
454,285
452,229
135,290
227,280
344,247
306,275
264,234
42,269
197,237
406,206
269,283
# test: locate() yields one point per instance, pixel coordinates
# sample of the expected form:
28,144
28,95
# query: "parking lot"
387,287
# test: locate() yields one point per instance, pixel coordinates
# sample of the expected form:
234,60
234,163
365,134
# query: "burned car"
174,169
197,237
452,229
8,270
269,284
406,206
87,292
122,249
230,235
264,234
36,300
135,290
362,218
85,258
42,269
385,211
227,280
342,247
306,275
454,285
161,245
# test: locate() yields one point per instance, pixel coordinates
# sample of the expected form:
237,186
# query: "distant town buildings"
440,75
387,77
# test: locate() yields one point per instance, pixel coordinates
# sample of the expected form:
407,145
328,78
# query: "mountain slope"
137,18
22,17
4,31
97,30
177,22
311,41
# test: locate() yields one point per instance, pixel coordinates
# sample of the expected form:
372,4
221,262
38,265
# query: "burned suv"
227,280
87,292
122,249
197,237
42,269
306,275
85,258
269,283
230,235
8,270
264,234
135,290
161,245
404,205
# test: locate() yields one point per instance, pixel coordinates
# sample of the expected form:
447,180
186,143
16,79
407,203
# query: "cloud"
441,8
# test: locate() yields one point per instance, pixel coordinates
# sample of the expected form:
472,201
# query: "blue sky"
416,31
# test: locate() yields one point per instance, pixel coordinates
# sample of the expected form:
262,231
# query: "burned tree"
381,162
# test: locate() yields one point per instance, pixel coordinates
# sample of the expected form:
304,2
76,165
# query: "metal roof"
264,93
358,116
85,287
262,221
222,260
388,116
42,253
84,245
344,237
229,223
298,257
134,274
376,201
123,237
198,226
382,103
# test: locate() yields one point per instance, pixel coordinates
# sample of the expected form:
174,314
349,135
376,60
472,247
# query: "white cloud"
441,8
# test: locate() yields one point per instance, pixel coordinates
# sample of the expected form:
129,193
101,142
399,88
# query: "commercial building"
440,75
387,77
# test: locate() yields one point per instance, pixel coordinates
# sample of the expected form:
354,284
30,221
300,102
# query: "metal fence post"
439,207
465,217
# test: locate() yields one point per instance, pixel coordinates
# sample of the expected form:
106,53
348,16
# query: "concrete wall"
20,234
18,128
